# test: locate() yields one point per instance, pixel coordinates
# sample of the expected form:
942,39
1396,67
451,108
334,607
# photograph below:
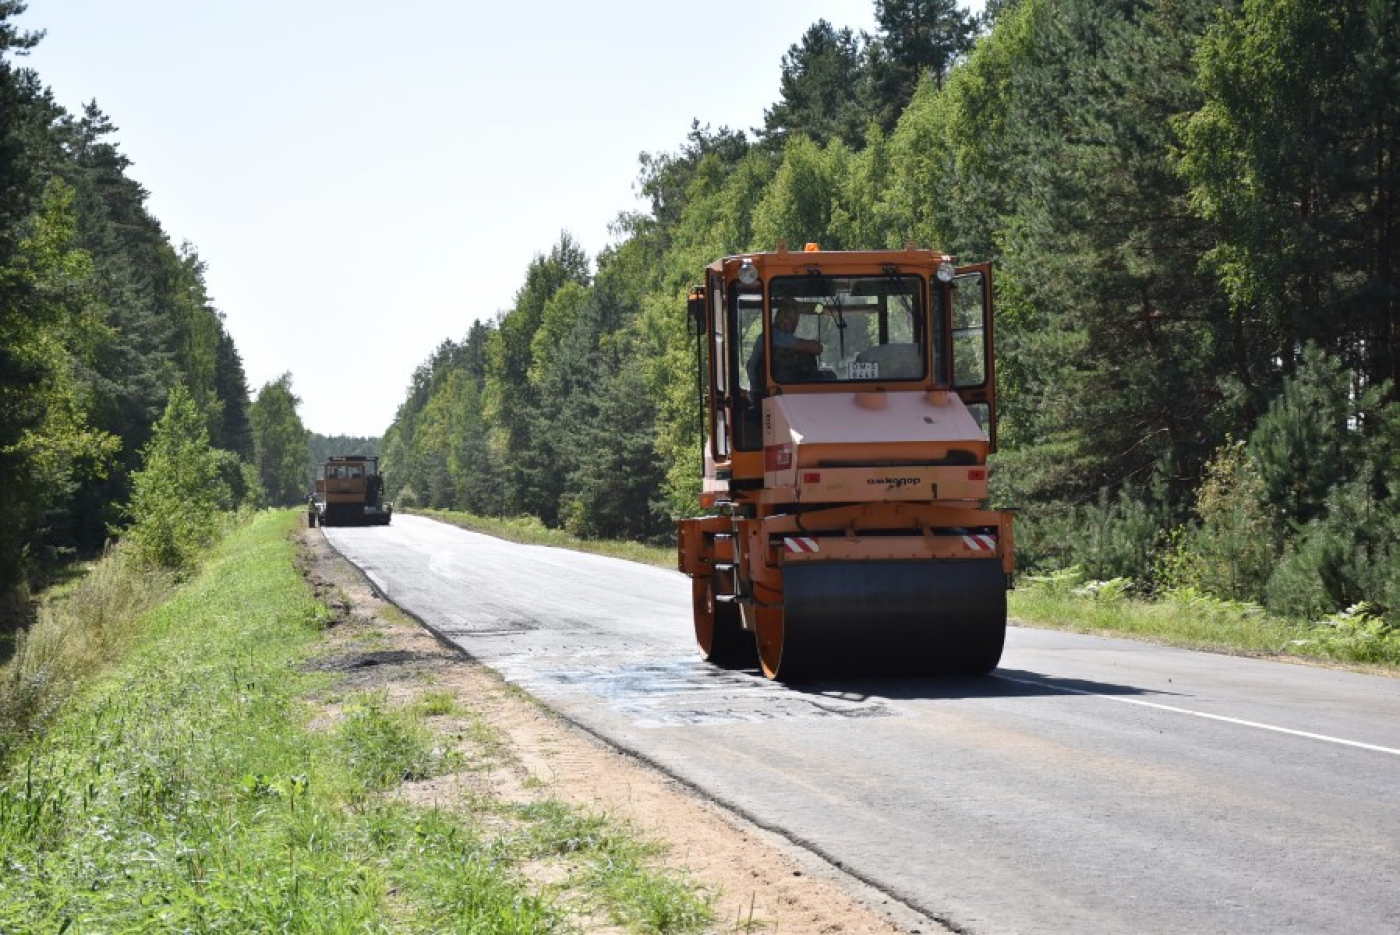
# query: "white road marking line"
1211,717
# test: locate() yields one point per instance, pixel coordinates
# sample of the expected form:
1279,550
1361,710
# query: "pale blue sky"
365,179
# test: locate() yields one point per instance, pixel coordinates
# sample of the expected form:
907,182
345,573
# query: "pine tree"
917,40
235,431
821,89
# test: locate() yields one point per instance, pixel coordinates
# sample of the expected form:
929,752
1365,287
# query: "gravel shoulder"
760,882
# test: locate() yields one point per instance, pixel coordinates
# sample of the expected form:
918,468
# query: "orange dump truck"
350,492
848,408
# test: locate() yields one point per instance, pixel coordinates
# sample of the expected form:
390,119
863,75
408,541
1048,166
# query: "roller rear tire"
718,631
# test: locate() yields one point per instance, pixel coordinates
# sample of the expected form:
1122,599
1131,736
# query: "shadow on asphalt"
1003,683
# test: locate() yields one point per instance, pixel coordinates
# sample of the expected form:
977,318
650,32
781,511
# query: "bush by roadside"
1187,617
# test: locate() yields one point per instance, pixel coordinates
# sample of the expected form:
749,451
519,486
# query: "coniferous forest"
1191,205
108,338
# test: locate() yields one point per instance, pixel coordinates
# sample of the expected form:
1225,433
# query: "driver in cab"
794,358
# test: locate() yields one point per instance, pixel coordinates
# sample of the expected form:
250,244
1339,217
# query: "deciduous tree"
280,443
178,496
1295,154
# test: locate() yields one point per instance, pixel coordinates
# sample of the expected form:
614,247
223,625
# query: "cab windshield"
848,329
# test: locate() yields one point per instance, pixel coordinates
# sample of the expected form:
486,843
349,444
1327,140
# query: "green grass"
385,746
181,788
1203,625
436,704
616,868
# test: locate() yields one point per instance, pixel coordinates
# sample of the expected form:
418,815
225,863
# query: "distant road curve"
1088,786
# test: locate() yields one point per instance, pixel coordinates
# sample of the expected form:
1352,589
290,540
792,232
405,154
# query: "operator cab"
871,330
813,322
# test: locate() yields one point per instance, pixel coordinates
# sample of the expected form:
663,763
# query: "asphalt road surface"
1090,785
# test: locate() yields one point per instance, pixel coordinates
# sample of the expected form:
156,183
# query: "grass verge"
530,531
184,786
1065,601
1187,618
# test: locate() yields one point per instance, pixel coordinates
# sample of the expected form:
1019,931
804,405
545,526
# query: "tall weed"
1356,634
77,631
383,746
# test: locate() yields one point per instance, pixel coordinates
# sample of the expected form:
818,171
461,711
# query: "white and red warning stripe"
801,544
980,542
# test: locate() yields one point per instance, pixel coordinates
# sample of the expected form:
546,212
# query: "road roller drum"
889,618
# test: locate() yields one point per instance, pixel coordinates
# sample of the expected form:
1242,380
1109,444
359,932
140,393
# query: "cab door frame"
966,314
